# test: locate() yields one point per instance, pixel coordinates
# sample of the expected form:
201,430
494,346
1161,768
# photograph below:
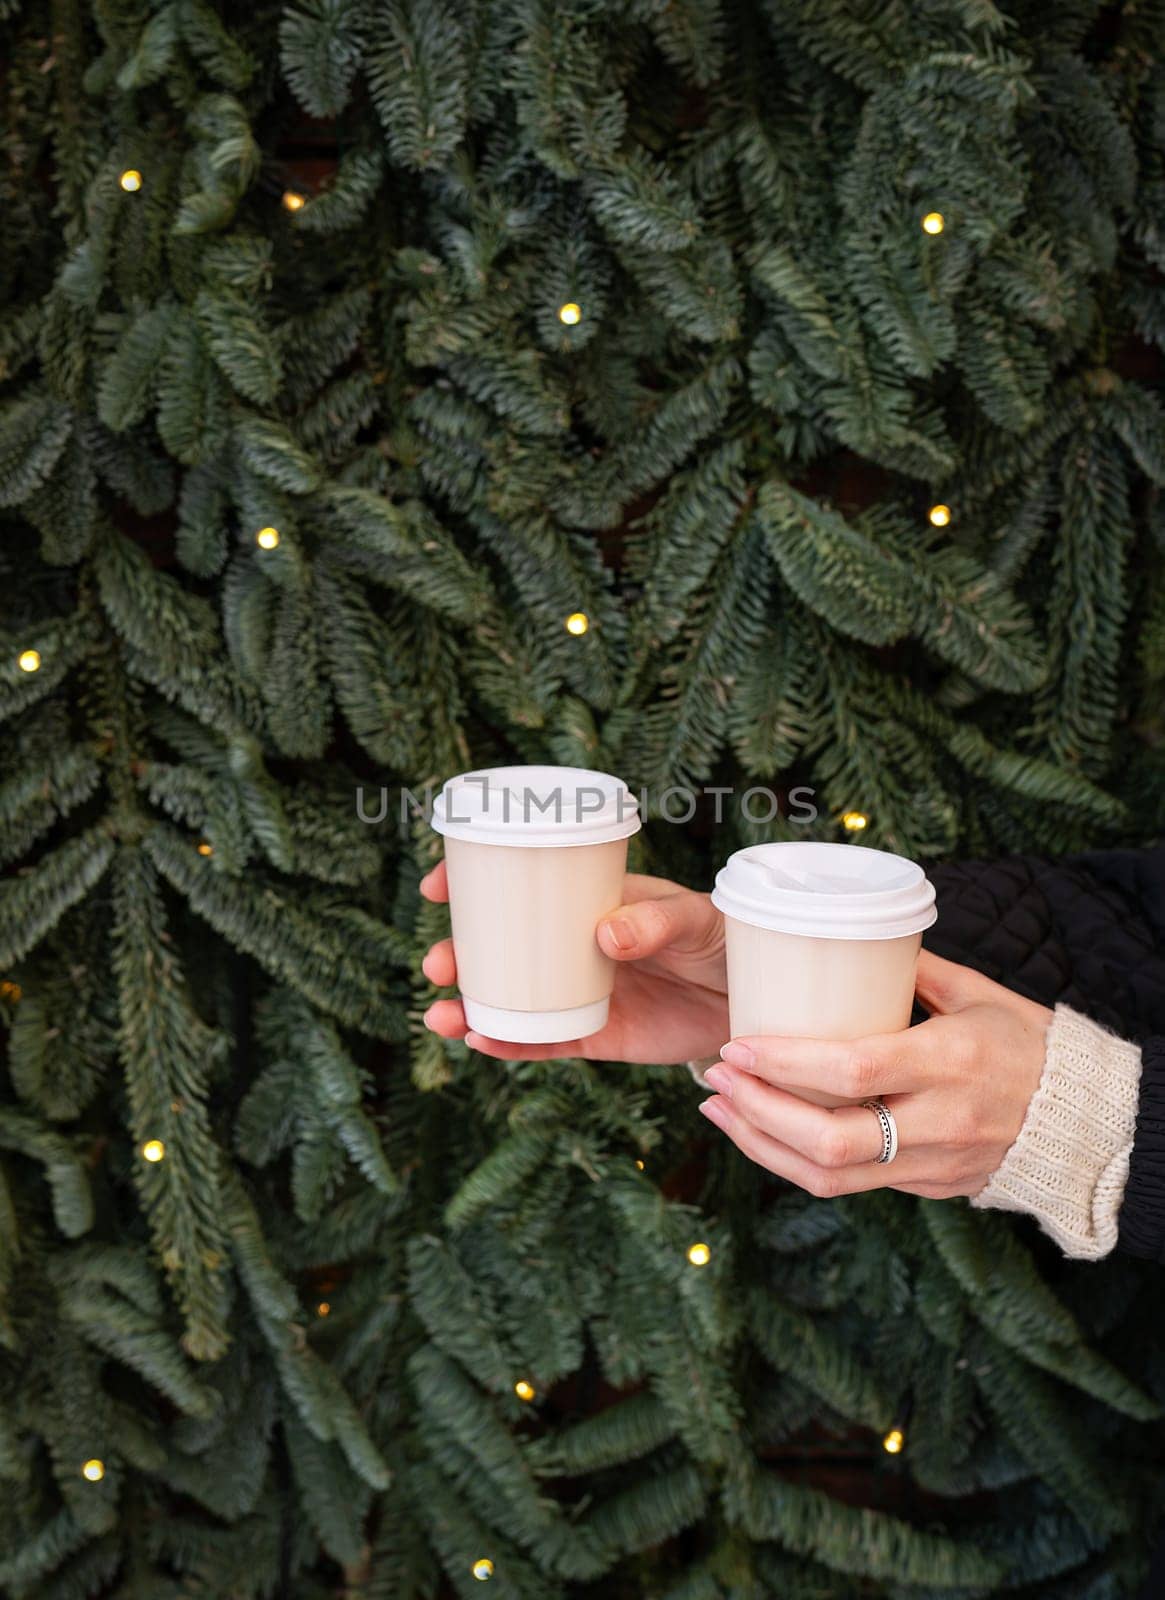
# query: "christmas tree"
715,392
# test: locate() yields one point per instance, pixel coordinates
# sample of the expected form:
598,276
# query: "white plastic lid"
826,891
536,806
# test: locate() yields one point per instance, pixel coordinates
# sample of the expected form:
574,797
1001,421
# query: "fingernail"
425,1018
715,1110
736,1054
720,1080
622,933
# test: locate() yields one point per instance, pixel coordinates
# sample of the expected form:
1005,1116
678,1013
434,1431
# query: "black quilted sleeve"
1141,1223
1088,930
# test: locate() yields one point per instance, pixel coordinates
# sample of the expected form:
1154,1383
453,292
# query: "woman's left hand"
958,1084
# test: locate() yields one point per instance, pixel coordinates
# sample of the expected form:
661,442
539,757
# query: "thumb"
687,921
945,986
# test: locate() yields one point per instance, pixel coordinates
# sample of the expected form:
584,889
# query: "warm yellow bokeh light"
570,313
939,515
577,623
324,1309
854,821
94,1470
153,1150
205,849
267,538
293,201
893,1442
699,1255
524,1390
483,1569
131,180
28,661
933,222
640,1164
10,991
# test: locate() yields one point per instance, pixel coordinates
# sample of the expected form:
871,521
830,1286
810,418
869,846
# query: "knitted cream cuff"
1070,1162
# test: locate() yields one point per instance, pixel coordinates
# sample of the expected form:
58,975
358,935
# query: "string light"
10,991
205,849
699,1255
640,1163
293,201
939,515
153,1150
93,1470
524,1390
324,1309
28,661
570,313
855,821
933,222
483,1569
577,623
893,1442
131,180
267,538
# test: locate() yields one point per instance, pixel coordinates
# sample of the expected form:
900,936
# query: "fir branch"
70,1189
321,46
32,905
307,946
169,1054
856,1540
416,69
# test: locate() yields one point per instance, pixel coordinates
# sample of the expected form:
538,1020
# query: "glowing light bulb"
640,1164
205,849
939,515
893,1442
292,201
28,661
131,180
570,313
153,1150
524,1390
855,821
10,991
577,623
933,222
699,1255
483,1569
267,538
94,1470
324,1309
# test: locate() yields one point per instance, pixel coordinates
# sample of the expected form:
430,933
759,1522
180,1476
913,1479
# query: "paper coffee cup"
536,857
822,940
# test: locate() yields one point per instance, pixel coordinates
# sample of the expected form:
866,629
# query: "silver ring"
889,1130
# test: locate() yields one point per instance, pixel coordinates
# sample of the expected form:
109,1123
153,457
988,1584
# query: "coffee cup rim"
533,817
887,896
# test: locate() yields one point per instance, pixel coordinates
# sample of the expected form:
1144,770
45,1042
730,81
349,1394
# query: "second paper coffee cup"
536,856
822,940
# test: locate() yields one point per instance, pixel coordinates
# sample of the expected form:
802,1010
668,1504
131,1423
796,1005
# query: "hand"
958,1084
670,1000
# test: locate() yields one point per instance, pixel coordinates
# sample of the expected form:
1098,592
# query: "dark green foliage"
294,1341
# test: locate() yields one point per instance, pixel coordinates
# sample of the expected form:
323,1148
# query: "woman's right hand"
670,1001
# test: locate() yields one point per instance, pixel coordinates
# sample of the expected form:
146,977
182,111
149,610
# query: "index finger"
848,1069
435,884
643,886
